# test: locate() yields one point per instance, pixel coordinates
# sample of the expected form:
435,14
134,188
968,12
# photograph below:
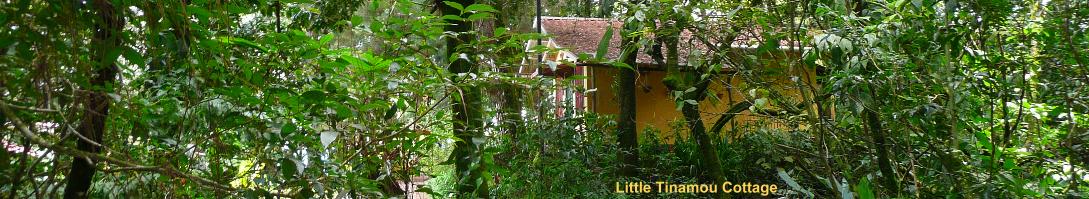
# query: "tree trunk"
708,152
676,80
626,136
467,108
879,141
96,103
512,110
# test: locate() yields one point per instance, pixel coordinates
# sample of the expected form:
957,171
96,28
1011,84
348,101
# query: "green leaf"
325,39
357,20
793,185
369,63
453,18
622,65
3,20
236,9
329,67
355,62
374,105
429,191
342,111
111,57
288,128
199,12
480,8
863,189
288,168
313,97
479,16
455,5
5,160
1008,163
730,15
243,43
306,191
603,44
133,57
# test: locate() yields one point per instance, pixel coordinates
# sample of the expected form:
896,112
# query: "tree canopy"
362,99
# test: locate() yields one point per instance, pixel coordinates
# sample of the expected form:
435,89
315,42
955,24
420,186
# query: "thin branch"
34,109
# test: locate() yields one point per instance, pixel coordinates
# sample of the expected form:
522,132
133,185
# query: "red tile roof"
581,35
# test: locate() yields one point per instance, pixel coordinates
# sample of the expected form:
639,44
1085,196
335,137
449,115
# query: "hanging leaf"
845,191
328,137
288,168
603,44
793,185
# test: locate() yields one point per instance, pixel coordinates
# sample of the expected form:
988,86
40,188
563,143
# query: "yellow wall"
654,107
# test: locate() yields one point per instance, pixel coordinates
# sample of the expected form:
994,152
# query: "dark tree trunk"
467,108
626,136
708,152
96,103
881,145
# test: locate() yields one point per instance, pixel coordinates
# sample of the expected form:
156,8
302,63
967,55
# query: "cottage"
655,107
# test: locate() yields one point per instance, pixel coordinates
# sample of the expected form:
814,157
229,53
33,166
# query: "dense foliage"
352,98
